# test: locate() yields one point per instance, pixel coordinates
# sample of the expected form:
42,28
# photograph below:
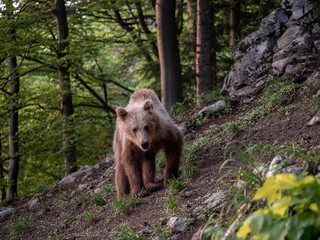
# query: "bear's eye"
146,128
135,130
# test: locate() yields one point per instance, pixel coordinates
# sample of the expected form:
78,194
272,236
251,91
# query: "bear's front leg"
173,155
122,182
133,169
149,172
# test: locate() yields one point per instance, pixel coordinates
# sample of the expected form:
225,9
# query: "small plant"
99,200
160,231
63,200
171,207
88,215
189,172
160,160
78,198
175,185
67,218
209,96
124,232
109,189
233,127
21,226
125,204
292,211
40,187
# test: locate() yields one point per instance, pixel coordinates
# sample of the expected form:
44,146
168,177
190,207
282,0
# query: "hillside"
275,120
264,121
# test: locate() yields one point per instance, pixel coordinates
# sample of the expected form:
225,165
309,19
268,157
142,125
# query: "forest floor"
65,212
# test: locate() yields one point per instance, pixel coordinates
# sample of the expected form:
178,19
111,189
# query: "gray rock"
67,180
33,202
220,105
5,211
85,168
280,65
277,165
83,186
145,231
98,190
285,35
182,127
178,224
313,121
213,203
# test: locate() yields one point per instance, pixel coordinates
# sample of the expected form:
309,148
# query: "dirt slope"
65,212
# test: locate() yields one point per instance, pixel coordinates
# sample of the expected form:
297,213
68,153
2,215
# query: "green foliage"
292,210
88,215
175,186
78,197
99,200
210,96
21,226
189,172
190,150
160,160
272,97
109,189
172,207
233,127
124,232
125,204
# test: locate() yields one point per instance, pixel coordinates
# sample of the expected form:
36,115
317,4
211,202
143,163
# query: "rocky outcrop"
282,44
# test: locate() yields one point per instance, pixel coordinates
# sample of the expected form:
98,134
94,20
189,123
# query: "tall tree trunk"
170,68
192,16
204,42
214,47
66,108
13,171
2,186
234,21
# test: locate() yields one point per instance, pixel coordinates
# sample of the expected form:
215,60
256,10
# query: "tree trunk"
234,21
2,173
214,47
192,14
204,42
13,171
170,68
66,108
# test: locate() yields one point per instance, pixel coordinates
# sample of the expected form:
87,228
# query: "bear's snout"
145,145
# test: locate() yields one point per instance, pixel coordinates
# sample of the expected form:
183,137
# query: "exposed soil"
60,216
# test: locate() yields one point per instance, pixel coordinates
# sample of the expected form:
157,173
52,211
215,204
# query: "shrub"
292,211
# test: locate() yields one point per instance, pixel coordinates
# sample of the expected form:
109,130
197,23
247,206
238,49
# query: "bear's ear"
121,113
148,106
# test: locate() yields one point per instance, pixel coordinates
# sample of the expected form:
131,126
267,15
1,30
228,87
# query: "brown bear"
144,128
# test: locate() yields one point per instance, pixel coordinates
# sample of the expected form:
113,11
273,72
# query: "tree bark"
192,15
234,21
204,43
13,172
2,174
66,108
214,47
170,68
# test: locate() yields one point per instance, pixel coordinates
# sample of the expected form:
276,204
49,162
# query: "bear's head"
139,124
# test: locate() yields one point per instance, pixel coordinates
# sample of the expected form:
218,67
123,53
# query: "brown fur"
143,129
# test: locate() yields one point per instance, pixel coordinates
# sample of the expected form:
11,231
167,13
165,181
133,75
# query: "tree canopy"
110,49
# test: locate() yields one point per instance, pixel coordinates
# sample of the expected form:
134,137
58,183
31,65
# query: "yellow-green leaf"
280,207
286,181
244,229
314,207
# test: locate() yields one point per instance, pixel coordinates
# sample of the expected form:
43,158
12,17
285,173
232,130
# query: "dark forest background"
66,65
